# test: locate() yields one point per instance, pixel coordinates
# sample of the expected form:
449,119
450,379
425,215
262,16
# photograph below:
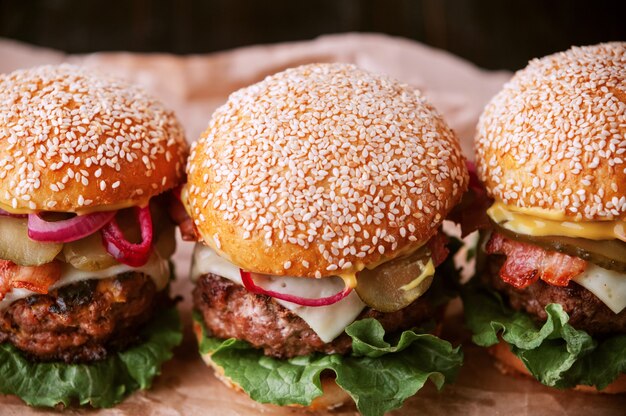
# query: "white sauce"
328,322
609,286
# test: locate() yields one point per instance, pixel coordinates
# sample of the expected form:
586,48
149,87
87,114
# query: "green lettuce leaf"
99,384
378,375
555,353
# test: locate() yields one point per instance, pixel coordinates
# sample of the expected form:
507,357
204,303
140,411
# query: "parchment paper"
194,86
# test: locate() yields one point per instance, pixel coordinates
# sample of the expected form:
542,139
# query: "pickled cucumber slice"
18,248
88,254
608,254
397,283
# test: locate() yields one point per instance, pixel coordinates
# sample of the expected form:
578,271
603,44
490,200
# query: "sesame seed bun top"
555,136
74,141
322,169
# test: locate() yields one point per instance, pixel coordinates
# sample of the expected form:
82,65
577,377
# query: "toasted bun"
72,141
511,364
320,168
333,396
555,136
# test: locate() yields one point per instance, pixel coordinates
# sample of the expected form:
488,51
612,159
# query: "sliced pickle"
397,283
18,248
609,254
88,254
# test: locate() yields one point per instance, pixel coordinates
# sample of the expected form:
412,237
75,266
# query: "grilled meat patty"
81,322
585,310
230,311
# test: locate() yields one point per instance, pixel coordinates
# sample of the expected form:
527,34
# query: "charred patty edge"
82,322
230,311
586,311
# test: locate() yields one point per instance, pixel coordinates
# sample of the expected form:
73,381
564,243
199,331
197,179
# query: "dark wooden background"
491,33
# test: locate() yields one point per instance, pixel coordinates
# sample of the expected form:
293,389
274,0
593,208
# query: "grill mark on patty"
82,322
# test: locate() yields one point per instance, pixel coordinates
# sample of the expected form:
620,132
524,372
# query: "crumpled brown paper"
194,86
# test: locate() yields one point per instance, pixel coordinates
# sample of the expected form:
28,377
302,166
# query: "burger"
551,152
87,165
317,197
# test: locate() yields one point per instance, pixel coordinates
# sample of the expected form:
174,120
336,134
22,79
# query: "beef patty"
81,322
230,311
585,310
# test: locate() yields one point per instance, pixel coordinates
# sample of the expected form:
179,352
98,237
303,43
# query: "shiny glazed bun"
72,140
555,136
322,169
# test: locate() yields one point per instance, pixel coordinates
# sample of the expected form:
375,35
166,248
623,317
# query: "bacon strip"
179,215
6,271
526,263
438,250
188,230
34,278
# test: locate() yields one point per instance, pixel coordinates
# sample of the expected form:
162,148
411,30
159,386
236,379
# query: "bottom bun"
332,397
511,364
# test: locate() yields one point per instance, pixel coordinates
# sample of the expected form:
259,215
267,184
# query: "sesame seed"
216,239
328,157
562,121
80,125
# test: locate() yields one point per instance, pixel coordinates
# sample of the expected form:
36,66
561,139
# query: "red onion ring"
4,213
68,230
131,254
248,283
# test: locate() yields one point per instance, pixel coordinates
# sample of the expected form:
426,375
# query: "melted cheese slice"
428,271
328,322
156,267
609,286
530,223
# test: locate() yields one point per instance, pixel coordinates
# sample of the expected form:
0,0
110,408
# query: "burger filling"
267,338
390,287
83,321
585,310
230,311
75,301
585,256
554,293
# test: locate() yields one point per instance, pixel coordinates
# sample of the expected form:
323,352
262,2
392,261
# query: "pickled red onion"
69,230
131,254
4,213
248,282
